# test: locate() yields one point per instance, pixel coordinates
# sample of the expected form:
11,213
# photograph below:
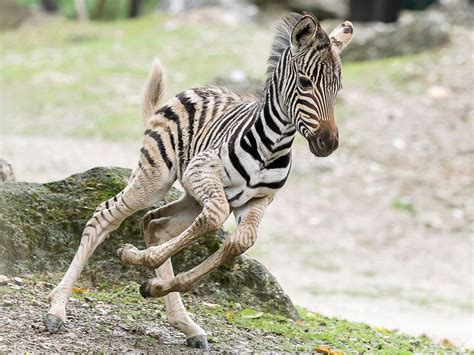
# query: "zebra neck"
271,134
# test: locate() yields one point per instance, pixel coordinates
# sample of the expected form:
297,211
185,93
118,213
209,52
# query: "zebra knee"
239,244
216,213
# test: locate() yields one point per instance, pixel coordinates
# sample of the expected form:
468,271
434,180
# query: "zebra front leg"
202,182
244,236
140,193
161,225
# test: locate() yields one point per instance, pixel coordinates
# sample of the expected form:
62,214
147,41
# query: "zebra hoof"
145,289
154,288
53,324
123,249
198,342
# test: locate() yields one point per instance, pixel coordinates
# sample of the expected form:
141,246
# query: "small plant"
404,204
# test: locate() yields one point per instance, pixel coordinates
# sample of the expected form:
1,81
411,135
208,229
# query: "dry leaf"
79,291
324,349
447,342
229,315
383,330
210,305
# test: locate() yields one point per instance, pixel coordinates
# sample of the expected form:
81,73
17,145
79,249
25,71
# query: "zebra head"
313,81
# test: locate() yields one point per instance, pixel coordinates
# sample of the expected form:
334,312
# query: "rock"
7,303
41,226
6,171
413,33
12,14
18,281
459,12
4,280
437,92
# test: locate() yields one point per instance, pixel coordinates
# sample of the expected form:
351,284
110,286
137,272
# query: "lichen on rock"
41,226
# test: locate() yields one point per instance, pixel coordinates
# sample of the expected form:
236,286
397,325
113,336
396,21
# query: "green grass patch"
67,78
315,331
405,205
402,72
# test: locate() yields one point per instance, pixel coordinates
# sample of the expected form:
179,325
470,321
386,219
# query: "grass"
404,204
398,72
63,78
66,78
313,331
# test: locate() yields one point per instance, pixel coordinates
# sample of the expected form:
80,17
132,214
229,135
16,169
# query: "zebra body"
231,153
231,127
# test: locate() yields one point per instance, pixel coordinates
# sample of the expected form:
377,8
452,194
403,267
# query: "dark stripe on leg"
159,142
148,157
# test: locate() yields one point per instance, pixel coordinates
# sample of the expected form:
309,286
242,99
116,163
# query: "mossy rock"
41,226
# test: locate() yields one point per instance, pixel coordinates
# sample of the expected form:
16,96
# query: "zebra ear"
341,36
303,33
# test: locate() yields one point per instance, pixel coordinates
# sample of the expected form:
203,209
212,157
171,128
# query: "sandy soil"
381,231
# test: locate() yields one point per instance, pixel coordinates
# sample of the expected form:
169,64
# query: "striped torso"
250,144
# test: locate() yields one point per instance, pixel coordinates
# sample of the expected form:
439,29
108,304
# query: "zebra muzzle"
323,144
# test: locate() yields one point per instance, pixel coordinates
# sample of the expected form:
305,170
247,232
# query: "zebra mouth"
319,148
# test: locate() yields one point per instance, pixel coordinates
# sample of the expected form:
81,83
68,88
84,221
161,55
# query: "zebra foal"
231,153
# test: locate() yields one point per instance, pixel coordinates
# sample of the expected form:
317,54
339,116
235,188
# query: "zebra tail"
154,91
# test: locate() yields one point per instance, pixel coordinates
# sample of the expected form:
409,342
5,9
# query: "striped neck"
271,133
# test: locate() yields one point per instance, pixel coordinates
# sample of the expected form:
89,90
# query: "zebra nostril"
320,143
324,143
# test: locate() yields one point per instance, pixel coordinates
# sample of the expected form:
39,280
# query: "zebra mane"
281,42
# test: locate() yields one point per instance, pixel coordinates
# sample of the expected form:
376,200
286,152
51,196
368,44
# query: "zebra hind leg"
113,200
143,191
160,226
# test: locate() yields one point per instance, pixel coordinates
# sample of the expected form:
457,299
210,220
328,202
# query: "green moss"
41,226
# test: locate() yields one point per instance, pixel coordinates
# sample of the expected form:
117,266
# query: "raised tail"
154,91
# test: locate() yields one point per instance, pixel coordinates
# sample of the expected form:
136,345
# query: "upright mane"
281,42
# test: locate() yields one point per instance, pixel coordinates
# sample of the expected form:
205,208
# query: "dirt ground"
109,326
379,232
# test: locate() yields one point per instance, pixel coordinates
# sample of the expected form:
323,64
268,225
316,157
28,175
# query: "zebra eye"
305,83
